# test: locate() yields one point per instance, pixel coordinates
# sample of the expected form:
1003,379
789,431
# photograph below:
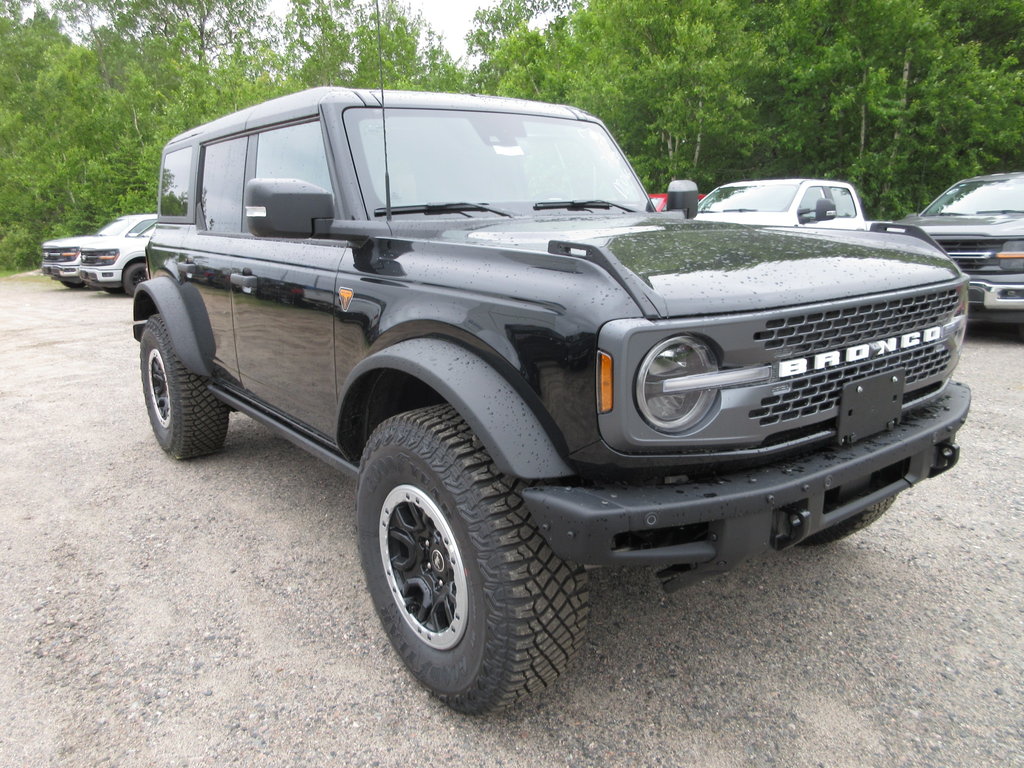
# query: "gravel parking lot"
212,612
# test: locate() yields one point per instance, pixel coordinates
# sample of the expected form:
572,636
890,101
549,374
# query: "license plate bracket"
870,405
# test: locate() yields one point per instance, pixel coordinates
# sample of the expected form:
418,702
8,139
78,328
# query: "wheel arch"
184,316
420,372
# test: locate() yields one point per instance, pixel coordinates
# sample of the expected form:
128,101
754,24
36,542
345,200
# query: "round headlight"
664,395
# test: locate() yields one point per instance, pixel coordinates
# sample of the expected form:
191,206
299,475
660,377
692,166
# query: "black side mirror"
824,210
682,196
285,207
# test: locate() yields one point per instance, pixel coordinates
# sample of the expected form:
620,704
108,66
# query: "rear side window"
294,152
223,177
174,183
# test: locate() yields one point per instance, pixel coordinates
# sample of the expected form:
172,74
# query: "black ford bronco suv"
469,304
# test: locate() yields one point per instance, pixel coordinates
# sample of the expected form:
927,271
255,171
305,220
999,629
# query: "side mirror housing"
682,196
285,207
824,210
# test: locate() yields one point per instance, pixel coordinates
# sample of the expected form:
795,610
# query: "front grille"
91,258
60,257
979,248
803,334
821,391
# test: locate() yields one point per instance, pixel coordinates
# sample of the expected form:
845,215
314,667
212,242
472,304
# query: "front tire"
474,601
132,276
187,419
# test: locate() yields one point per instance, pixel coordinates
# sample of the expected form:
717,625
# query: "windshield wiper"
1010,210
579,205
737,210
442,208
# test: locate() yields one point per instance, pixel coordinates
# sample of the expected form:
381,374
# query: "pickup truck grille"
60,255
811,395
976,256
804,334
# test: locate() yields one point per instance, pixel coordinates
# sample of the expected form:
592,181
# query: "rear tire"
474,601
187,419
851,525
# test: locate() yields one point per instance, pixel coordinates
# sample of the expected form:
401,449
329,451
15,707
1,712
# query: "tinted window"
174,183
223,176
295,152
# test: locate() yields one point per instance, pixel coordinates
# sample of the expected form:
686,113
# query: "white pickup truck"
785,203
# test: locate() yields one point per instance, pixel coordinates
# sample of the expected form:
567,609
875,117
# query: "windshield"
508,161
772,198
969,198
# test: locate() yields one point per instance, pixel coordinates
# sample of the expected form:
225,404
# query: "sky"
452,19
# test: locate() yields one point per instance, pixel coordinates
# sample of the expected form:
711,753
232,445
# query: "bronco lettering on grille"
836,357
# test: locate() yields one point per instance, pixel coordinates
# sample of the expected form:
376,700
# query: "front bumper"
712,525
99,277
62,272
989,298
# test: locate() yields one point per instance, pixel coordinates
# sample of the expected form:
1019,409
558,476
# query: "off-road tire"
851,525
133,275
524,609
187,420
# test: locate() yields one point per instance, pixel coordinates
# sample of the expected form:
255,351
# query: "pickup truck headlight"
663,386
106,257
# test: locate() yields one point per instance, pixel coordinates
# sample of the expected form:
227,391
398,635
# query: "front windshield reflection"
772,198
981,196
505,160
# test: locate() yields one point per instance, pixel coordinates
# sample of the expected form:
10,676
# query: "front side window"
843,198
506,160
294,152
223,176
174,182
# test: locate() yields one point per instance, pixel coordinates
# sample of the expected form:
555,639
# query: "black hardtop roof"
305,104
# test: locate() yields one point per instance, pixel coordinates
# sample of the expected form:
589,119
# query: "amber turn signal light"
605,390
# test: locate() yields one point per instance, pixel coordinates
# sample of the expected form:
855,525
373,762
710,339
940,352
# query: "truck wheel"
851,525
132,276
476,604
187,420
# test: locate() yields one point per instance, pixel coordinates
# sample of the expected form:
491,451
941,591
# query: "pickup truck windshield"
496,160
771,198
981,197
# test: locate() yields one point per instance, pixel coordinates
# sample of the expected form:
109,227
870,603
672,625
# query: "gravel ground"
212,613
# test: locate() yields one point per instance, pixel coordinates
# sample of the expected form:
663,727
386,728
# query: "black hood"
689,267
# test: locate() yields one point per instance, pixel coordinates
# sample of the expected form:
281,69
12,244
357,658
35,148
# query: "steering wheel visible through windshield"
479,163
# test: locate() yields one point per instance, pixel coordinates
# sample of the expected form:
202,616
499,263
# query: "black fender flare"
514,436
185,316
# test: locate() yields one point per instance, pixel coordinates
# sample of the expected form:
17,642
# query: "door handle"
246,282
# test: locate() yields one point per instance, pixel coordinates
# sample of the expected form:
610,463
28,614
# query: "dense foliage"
899,97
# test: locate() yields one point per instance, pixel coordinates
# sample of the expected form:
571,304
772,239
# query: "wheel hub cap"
424,567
